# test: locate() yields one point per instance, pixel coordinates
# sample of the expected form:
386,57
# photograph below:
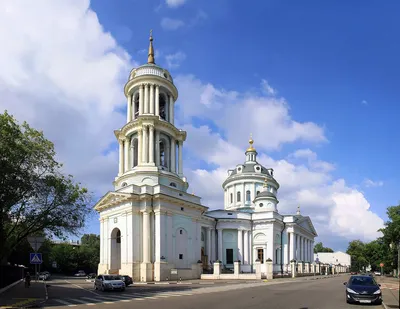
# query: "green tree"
35,197
356,250
319,247
391,235
90,252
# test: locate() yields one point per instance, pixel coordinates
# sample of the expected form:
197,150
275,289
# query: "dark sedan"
363,290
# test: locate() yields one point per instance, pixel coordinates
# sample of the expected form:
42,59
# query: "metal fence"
9,274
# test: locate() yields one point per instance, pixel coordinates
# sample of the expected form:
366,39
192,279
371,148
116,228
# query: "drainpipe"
284,226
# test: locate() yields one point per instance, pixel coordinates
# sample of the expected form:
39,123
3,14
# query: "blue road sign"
35,258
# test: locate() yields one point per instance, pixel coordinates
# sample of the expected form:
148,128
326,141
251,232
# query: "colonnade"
149,103
300,248
148,151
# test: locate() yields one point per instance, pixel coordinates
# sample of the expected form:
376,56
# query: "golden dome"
251,148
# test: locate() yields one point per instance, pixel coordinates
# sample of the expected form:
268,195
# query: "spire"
298,210
251,148
150,56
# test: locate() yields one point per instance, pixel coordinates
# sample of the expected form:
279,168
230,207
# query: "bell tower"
150,146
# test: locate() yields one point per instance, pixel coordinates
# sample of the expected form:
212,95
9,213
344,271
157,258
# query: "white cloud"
174,60
241,114
267,89
370,183
307,181
175,3
200,16
171,24
64,75
364,102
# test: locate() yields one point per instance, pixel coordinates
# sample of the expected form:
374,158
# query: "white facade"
149,224
334,258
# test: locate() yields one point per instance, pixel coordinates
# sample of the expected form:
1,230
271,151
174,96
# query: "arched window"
231,198
118,237
162,154
163,107
135,152
136,102
248,196
258,192
238,196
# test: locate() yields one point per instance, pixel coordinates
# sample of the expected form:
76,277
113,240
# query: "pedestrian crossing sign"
36,258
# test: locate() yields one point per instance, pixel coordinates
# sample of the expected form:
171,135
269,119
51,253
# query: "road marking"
91,299
82,288
83,302
64,302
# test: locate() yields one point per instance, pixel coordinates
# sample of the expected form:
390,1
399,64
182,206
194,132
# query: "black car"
128,280
363,290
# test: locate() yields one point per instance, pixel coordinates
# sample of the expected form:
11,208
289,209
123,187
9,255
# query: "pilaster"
146,98
152,99
171,109
129,109
173,158
141,99
151,146
180,161
140,146
121,157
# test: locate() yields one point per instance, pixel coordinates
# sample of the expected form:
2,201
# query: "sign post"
36,258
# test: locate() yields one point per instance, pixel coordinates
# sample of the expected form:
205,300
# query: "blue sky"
335,62
313,81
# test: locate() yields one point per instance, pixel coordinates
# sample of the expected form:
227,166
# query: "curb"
384,305
10,286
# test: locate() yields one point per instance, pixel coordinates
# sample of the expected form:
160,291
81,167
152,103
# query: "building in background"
151,227
334,258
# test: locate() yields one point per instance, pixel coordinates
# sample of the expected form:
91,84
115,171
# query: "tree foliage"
319,247
357,251
35,197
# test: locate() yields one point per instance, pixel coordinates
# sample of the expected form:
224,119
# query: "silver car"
108,282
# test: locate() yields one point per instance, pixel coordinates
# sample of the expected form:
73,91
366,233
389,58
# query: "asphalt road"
313,294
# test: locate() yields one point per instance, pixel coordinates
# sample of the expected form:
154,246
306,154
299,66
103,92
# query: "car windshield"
118,278
109,278
365,281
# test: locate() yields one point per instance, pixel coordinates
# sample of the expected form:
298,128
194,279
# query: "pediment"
306,224
111,199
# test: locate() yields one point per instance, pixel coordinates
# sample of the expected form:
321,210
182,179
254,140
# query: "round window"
257,168
239,169
261,204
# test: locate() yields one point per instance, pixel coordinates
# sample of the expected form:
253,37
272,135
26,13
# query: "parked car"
91,276
377,273
363,290
109,282
43,276
80,273
127,280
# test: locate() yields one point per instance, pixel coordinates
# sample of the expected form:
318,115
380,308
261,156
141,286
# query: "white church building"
150,226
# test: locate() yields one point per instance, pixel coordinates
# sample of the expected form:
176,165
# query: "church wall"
185,246
229,241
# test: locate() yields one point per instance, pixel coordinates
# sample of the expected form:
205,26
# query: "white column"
240,246
246,248
133,107
296,252
251,247
102,241
173,158
180,161
157,144
171,109
129,109
312,251
157,103
151,146
152,99
146,98
243,194
140,146
126,154
144,144
213,246
141,99
220,255
209,244
121,156
308,250
198,242
146,237
160,235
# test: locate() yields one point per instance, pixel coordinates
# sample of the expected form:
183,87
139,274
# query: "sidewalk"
390,291
19,296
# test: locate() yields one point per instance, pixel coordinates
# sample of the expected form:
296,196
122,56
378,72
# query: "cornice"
253,176
150,120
